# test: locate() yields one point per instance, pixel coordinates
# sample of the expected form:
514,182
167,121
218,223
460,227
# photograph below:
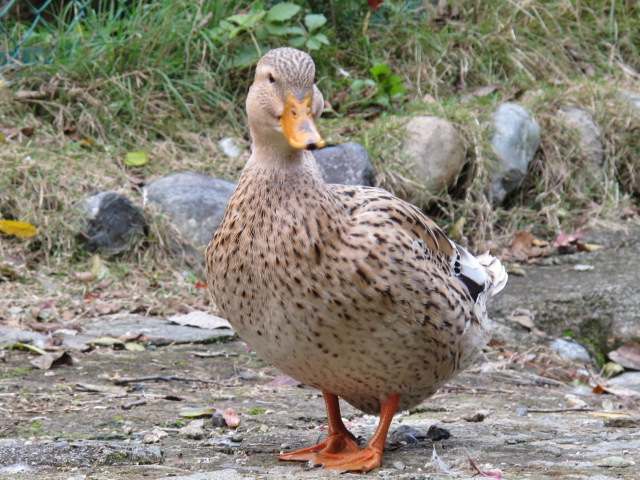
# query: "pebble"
236,438
436,433
571,401
398,465
194,430
570,350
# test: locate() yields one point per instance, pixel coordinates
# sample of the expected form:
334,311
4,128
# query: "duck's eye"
271,79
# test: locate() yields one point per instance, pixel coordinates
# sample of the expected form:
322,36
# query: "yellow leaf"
2,138
136,159
19,229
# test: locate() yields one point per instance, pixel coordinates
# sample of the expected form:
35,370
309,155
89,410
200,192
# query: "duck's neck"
289,168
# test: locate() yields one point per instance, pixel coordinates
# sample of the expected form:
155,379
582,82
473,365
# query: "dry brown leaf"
231,417
627,355
284,381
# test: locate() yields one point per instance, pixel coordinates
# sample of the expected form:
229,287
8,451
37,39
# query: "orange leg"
357,460
339,441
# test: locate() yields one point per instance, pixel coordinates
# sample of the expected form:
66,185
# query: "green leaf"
296,31
26,346
313,44
278,29
297,42
239,19
136,159
322,38
196,412
314,21
379,70
245,56
134,347
282,11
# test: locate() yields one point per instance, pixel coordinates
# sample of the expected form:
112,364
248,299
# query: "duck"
347,289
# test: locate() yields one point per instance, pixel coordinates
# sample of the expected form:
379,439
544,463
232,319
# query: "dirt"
54,427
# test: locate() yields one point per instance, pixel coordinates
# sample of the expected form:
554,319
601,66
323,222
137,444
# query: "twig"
560,410
167,378
130,405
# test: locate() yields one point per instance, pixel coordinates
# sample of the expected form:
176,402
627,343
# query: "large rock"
347,164
516,140
112,223
601,304
436,149
195,203
589,135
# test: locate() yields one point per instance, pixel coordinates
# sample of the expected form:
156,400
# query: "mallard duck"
347,289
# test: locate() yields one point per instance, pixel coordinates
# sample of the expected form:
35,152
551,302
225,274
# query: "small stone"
476,417
195,430
571,401
516,140
522,411
607,405
571,351
127,429
112,223
346,164
436,149
436,433
236,437
398,465
217,420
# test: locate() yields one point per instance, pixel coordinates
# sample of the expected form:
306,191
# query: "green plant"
382,89
251,34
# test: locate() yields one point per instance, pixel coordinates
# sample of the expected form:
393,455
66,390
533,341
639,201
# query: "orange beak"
298,124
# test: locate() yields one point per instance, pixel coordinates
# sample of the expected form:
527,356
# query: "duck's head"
283,102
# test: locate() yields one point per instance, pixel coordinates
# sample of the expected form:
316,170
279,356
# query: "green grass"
154,77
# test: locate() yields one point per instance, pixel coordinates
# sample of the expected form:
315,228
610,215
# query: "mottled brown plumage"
347,289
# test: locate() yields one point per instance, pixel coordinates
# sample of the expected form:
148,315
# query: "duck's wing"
373,211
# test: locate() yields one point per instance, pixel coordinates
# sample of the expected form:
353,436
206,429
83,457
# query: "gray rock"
600,304
195,203
159,330
112,223
590,137
516,140
436,150
571,351
11,336
347,164
628,379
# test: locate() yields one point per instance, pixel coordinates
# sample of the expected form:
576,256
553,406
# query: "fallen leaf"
136,159
527,322
627,355
196,412
134,347
19,229
523,246
90,387
52,359
615,462
201,320
107,342
86,277
284,381
484,473
231,417
26,346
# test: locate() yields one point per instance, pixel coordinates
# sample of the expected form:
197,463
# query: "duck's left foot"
362,461
336,444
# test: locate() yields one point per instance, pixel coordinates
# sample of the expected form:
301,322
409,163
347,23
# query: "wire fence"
29,29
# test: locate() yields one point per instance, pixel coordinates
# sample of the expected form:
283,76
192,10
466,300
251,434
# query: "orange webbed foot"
337,444
361,461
